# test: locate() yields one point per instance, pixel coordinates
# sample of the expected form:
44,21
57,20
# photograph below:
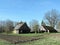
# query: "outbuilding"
21,27
47,29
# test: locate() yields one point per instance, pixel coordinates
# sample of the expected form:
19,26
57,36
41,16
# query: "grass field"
49,39
28,35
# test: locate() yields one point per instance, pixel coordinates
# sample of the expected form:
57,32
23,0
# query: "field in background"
28,34
48,39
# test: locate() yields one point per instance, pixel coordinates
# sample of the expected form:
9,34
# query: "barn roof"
19,25
50,28
42,28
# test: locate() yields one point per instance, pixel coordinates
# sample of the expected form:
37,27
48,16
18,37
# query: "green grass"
49,39
28,34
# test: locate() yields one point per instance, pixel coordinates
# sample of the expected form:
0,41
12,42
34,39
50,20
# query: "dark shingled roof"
19,25
51,29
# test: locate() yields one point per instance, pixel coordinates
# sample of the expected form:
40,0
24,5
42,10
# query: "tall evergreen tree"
43,23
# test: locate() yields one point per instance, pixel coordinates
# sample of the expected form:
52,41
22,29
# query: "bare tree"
9,26
34,25
52,17
2,28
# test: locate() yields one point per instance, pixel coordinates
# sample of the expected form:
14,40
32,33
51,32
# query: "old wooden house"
47,29
21,27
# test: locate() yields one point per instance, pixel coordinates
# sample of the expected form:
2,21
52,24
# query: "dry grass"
48,39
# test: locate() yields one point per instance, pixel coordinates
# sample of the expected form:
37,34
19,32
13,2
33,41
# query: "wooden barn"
47,29
21,27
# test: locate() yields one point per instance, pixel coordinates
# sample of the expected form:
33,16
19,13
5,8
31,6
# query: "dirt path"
19,39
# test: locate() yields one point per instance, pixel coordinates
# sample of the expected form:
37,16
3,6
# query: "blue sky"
26,10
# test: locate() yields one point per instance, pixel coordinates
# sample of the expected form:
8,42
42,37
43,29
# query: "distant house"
47,29
21,28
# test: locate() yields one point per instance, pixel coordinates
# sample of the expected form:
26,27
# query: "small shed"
42,29
47,29
21,27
